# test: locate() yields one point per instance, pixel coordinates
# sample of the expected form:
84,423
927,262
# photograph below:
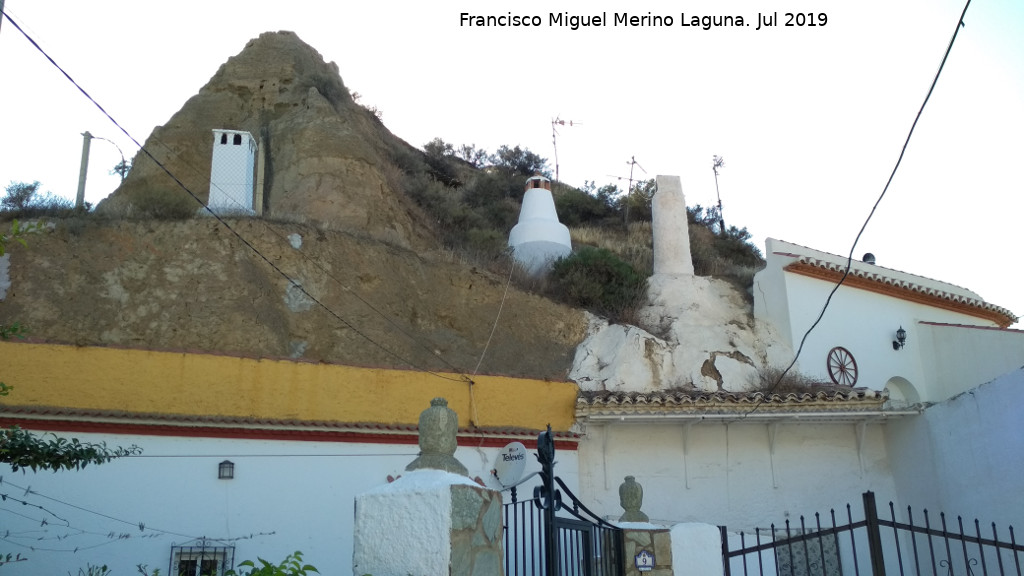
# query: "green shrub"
290,566
596,279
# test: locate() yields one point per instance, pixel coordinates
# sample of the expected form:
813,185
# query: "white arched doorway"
901,392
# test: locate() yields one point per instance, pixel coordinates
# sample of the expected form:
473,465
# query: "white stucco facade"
953,342
735,474
285,496
963,455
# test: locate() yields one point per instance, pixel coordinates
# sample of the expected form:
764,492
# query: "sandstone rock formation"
190,285
696,332
328,160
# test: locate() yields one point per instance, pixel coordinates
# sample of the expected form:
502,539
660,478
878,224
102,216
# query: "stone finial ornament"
631,497
439,425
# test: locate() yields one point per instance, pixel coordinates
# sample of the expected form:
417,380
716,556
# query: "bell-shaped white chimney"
539,238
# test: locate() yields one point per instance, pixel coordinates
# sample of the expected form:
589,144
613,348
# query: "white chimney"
232,172
539,238
671,231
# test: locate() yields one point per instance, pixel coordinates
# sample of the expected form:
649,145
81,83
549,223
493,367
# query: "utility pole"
84,170
2,13
719,162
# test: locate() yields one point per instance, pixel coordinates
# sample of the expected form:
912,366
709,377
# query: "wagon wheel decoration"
842,368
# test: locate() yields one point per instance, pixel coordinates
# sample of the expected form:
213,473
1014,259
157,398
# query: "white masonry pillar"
671,232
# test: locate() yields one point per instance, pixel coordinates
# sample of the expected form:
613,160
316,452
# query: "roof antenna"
719,162
557,121
629,191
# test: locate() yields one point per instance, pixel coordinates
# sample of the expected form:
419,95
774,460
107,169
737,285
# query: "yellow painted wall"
143,381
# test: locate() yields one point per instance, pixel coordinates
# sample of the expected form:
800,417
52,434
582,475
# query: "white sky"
810,120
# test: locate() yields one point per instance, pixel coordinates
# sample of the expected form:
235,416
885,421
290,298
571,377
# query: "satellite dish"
509,464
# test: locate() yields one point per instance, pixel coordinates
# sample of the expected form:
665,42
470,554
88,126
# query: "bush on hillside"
23,200
596,279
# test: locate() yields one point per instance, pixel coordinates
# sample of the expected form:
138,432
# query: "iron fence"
583,547
544,537
873,545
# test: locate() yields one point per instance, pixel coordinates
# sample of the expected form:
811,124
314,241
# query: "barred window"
201,558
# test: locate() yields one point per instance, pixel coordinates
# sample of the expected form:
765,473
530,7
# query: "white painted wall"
937,363
963,456
961,357
725,474
286,495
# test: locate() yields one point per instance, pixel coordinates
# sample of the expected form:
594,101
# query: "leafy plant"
23,199
91,570
21,449
596,279
290,566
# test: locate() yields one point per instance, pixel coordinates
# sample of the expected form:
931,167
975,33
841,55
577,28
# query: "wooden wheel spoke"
842,368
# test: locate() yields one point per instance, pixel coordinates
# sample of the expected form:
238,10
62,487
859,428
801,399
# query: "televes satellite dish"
509,464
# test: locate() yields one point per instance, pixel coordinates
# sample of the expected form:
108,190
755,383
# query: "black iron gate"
875,546
545,537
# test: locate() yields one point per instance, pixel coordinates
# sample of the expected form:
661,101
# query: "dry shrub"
772,381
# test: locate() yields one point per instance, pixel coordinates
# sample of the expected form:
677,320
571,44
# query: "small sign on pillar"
644,561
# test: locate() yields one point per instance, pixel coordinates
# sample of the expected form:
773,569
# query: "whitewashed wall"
964,456
727,474
287,495
865,323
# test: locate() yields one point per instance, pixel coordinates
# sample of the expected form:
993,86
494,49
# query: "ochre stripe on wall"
188,384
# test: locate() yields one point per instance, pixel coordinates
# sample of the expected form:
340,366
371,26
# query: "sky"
809,120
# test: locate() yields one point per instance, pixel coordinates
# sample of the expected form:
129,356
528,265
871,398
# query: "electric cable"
849,258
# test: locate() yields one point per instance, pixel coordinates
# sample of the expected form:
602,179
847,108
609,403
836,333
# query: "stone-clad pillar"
431,521
647,547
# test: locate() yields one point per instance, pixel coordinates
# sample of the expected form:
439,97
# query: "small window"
238,140
223,138
201,558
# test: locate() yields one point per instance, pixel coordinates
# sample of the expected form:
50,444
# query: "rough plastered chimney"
669,225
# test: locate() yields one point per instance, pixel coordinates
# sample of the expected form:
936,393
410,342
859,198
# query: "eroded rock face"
191,285
695,331
327,159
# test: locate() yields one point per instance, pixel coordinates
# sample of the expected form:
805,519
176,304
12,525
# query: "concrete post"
261,170
84,170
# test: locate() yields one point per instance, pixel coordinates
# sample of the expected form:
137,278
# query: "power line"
849,258
219,219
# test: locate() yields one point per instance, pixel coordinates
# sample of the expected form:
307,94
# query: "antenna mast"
557,121
629,191
718,162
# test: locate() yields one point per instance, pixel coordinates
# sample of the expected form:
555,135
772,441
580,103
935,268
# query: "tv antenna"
555,122
629,191
719,162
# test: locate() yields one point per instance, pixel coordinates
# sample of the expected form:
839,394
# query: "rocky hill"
329,161
343,266
146,271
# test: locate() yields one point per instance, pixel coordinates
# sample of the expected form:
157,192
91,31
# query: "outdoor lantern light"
901,339
226,470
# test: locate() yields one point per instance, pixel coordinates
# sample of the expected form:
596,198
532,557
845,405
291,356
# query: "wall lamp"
901,339
226,470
